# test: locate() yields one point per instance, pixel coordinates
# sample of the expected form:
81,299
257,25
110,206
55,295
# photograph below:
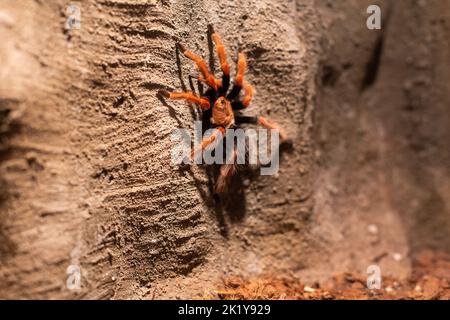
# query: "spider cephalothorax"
221,107
222,113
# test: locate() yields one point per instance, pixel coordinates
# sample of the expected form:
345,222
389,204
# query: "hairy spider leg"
217,133
227,171
266,123
245,120
241,68
222,54
207,77
239,80
188,96
218,82
249,92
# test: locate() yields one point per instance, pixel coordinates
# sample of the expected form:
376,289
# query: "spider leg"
222,54
227,171
249,92
217,133
201,65
266,123
188,96
239,80
245,119
217,81
241,68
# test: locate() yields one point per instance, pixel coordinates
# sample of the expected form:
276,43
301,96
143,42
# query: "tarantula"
222,109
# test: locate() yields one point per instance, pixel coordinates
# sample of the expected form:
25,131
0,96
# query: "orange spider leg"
249,92
272,125
188,96
218,81
201,65
207,141
220,48
241,68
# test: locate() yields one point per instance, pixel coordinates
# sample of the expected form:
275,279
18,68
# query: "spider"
220,107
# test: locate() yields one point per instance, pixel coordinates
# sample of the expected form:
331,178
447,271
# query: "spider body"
221,107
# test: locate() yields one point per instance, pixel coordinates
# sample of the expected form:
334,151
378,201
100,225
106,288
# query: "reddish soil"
430,280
